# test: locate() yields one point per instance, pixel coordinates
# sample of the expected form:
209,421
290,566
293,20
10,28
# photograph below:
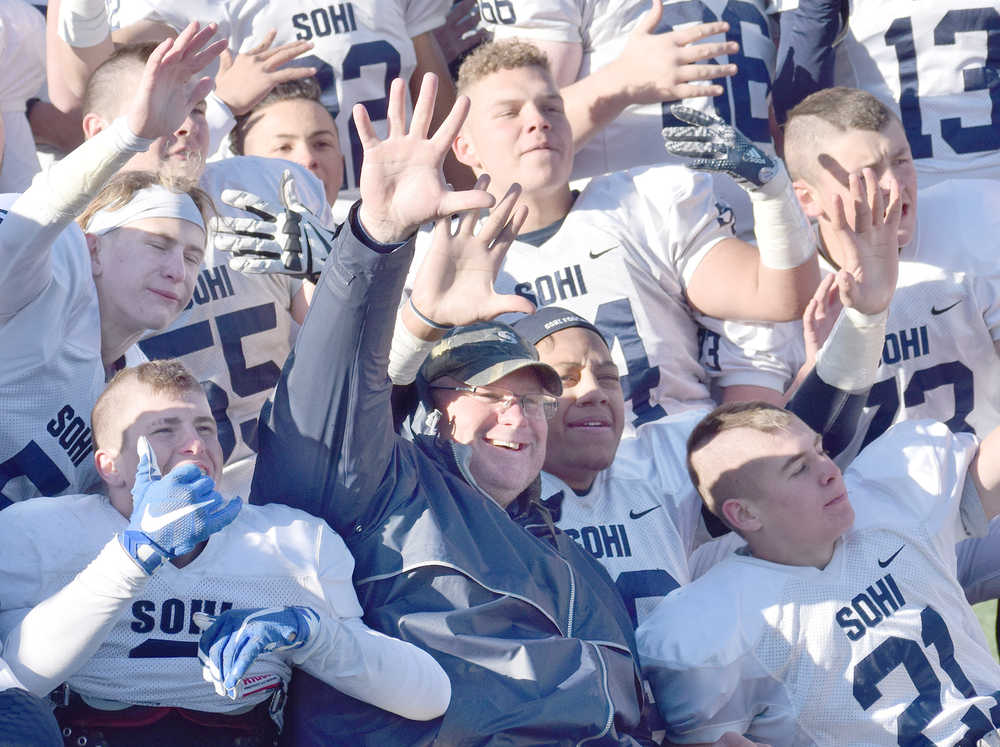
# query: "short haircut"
306,88
492,57
120,190
103,94
169,376
843,109
758,416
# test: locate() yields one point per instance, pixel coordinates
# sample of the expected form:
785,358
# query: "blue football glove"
286,239
717,146
232,641
172,514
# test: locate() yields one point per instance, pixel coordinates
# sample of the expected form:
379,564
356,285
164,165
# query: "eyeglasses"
537,406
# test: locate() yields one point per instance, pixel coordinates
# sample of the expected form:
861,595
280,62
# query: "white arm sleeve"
56,196
373,667
61,633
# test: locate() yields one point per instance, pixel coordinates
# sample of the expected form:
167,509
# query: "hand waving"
454,284
168,89
402,185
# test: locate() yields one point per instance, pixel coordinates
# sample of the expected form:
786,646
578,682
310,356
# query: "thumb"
503,303
289,194
225,61
650,19
148,469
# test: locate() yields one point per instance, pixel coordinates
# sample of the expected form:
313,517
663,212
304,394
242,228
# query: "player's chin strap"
784,237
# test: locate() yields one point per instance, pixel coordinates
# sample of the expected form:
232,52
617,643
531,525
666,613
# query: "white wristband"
784,237
407,353
851,354
83,23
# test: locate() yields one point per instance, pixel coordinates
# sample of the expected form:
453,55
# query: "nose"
193,443
173,266
588,389
306,157
535,119
512,413
828,470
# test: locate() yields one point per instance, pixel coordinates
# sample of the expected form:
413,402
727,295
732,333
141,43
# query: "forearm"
56,196
377,669
593,102
61,633
78,40
325,437
805,53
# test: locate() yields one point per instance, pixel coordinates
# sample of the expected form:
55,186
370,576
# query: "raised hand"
664,67
172,514
451,35
402,185
717,146
863,239
286,239
454,284
246,79
820,315
231,642
168,89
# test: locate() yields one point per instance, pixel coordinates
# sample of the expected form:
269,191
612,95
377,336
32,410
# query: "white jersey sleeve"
7,678
22,60
425,15
934,62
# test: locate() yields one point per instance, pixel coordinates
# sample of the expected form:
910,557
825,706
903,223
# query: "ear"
93,124
741,515
107,468
808,198
93,247
465,152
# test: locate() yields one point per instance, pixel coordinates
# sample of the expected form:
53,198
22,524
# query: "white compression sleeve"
62,632
406,353
849,358
83,23
784,237
376,668
56,196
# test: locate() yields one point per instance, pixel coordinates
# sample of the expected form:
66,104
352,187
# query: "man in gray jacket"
453,551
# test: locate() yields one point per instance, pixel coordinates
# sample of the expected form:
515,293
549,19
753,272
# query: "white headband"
152,202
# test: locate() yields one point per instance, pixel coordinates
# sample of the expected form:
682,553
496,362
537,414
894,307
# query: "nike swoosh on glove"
172,514
232,641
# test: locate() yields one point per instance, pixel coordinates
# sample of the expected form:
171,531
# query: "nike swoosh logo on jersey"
885,563
595,255
640,514
152,523
935,311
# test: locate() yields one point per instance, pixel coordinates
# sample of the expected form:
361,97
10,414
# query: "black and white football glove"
286,239
717,146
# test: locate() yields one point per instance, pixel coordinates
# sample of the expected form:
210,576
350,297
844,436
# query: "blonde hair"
493,57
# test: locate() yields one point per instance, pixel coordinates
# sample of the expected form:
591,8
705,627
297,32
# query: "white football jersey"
621,258
22,62
878,646
360,46
237,331
641,517
51,374
270,556
935,62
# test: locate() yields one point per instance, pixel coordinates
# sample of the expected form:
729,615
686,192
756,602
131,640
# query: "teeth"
507,444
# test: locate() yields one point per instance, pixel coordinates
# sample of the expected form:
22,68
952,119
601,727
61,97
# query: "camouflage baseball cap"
481,353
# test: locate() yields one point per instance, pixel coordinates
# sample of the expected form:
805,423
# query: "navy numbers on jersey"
886,396
894,652
652,583
359,57
751,69
962,139
34,464
245,380
497,11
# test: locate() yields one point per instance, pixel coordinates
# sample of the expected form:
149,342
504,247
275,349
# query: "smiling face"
145,272
517,131
780,490
301,131
180,429
584,434
886,151
507,448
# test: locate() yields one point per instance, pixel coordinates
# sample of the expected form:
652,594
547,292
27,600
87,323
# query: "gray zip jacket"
529,627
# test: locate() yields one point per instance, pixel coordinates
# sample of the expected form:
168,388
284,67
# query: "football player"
645,255
843,620
73,302
126,579
932,61
237,330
